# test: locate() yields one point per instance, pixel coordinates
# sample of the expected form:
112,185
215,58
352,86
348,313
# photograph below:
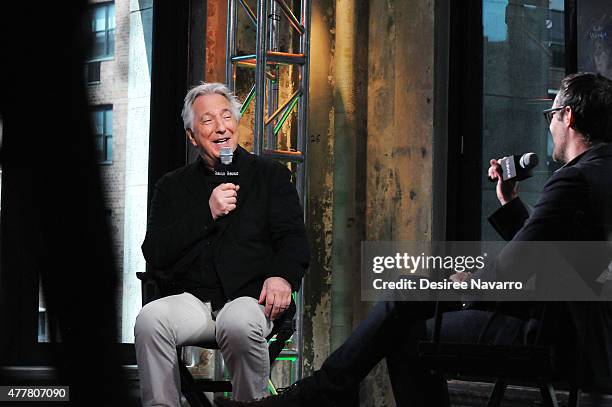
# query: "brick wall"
113,90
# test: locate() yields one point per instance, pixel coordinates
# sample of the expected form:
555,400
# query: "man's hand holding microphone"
223,200
506,190
224,197
507,171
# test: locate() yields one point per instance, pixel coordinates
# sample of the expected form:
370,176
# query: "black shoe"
297,395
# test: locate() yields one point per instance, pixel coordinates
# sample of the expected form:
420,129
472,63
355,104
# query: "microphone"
517,167
226,155
225,171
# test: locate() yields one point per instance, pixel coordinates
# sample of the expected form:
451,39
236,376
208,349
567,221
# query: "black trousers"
392,331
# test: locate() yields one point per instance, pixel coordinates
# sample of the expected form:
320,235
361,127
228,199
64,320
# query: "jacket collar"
596,151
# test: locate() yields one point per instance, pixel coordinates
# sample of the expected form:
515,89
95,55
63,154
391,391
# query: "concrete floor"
462,393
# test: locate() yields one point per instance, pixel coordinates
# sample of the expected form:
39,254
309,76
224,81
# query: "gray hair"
213,88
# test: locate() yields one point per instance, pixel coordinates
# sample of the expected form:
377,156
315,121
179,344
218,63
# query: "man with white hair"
228,255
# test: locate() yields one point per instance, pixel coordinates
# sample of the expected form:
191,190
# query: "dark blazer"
575,205
263,237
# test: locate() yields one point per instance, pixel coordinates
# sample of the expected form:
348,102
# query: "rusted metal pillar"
371,89
216,22
345,240
317,283
400,134
400,120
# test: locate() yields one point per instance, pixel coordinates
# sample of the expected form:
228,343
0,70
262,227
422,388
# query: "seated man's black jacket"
263,237
575,205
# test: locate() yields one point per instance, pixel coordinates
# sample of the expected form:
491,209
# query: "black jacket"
263,237
575,205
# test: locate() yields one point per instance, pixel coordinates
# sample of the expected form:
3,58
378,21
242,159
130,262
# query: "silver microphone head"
226,155
529,161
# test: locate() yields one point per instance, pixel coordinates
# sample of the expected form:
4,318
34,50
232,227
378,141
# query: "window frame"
465,114
104,109
107,56
90,67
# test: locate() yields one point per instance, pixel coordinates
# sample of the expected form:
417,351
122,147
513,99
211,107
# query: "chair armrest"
283,329
150,288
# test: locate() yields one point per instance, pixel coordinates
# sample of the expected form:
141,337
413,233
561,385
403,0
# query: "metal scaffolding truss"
270,114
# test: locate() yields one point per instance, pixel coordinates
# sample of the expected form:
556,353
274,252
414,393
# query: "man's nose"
220,127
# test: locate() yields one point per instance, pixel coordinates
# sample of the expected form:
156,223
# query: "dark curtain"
52,220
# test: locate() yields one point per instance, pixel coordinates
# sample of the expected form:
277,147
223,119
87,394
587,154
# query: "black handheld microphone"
517,167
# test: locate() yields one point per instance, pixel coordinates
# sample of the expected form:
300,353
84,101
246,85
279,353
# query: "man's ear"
569,117
190,137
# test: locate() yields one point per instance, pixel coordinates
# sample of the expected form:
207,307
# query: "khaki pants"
240,329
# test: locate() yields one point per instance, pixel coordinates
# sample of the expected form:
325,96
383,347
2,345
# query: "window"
102,117
523,64
92,72
102,31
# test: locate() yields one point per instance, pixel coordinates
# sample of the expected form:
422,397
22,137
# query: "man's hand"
506,190
276,294
460,277
223,200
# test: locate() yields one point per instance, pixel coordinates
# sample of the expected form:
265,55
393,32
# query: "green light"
289,358
287,341
248,100
285,115
271,388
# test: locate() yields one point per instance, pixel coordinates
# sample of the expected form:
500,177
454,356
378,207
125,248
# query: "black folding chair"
193,389
531,366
